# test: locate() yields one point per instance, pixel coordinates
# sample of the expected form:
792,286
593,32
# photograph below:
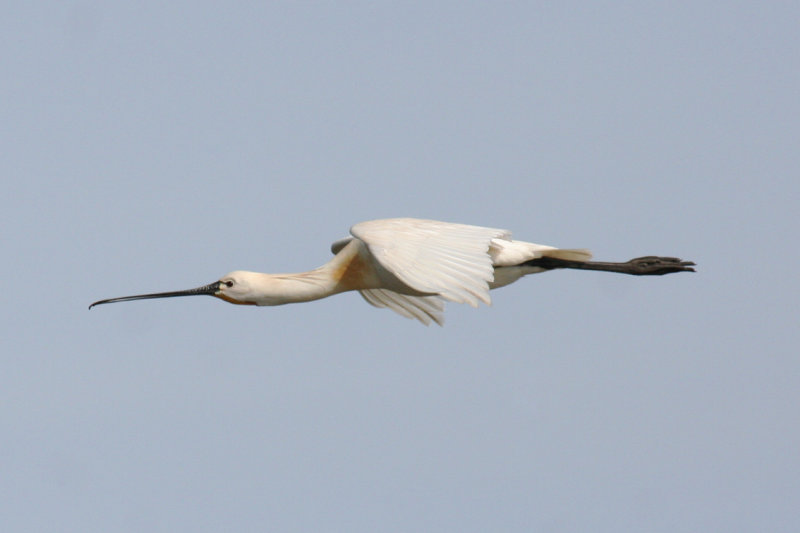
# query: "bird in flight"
413,266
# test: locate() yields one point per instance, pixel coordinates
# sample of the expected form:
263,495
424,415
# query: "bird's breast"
355,273
355,269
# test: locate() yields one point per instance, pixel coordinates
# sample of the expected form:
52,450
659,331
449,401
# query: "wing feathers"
451,260
423,308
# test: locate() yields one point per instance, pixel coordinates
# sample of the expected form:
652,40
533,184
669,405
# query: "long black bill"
210,289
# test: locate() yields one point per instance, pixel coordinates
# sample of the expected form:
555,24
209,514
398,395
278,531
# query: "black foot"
653,265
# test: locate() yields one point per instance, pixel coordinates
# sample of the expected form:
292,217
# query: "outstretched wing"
441,258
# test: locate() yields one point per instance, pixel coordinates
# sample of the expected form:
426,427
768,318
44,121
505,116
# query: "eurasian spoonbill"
413,266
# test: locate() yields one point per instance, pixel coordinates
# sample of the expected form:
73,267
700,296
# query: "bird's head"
236,287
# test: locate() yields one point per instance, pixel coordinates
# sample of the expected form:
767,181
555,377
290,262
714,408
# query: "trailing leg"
650,265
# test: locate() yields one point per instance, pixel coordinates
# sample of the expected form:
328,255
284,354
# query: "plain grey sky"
149,147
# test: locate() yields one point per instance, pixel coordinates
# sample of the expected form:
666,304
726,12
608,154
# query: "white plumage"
455,262
450,260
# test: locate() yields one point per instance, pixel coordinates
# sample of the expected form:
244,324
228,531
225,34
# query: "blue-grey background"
148,147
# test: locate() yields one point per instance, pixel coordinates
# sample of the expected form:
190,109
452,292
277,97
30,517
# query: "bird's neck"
278,289
348,270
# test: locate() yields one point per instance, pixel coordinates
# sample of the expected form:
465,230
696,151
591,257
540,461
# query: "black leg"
650,265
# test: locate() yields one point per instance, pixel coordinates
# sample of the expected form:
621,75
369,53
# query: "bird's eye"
229,283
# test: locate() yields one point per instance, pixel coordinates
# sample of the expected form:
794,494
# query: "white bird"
413,266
